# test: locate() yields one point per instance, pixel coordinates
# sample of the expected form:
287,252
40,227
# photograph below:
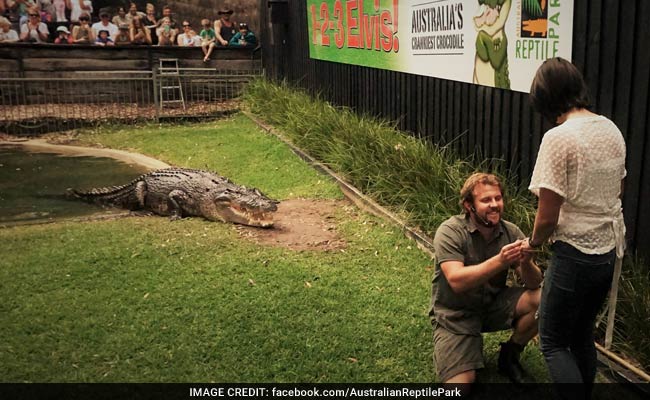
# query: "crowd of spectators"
69,22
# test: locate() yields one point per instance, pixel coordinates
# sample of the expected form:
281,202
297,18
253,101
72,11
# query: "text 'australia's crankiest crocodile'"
181,192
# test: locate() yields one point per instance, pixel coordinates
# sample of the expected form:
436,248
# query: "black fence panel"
610,46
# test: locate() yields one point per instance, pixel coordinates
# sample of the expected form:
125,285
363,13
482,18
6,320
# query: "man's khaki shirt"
458,239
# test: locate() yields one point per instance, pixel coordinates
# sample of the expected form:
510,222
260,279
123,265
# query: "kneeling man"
473,252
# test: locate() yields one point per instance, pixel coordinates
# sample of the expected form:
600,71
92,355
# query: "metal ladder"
171,90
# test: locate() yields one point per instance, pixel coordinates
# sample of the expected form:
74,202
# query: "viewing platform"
56,60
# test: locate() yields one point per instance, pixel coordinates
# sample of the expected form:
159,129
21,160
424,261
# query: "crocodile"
182,192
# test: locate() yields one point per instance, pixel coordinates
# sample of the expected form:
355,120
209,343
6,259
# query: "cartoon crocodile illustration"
180,192
533,18
491,62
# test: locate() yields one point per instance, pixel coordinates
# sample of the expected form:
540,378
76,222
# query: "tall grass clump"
419,179
633,311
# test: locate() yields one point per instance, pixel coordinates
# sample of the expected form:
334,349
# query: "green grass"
234,147
149,300
143,299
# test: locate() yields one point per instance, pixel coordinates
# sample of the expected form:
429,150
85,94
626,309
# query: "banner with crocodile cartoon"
498,43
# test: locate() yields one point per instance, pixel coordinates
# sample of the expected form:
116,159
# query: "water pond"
33,184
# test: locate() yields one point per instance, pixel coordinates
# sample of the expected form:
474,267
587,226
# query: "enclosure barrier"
40,104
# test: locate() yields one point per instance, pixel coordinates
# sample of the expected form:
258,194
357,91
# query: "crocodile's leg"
141,193
176,199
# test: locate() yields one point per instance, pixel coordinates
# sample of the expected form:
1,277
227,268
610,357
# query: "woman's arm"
548,212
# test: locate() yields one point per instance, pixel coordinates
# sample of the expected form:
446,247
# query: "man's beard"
485,220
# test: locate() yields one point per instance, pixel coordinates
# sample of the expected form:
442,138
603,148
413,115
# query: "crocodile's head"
492,15
241,205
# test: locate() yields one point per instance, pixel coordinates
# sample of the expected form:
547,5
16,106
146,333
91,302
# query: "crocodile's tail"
120,196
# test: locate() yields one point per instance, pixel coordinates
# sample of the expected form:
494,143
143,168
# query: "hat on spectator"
104,30
229,12
243,25
62,29
104,13
124,26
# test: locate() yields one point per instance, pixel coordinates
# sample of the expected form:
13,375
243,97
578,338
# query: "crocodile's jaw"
237,215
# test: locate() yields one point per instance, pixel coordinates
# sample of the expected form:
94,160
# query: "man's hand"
511,253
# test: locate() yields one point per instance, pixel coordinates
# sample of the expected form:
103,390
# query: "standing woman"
578,178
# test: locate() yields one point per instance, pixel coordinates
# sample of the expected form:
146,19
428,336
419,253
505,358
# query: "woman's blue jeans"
575,288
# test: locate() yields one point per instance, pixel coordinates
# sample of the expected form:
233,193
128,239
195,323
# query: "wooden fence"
610,46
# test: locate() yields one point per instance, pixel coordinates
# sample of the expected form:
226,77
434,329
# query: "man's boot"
509,362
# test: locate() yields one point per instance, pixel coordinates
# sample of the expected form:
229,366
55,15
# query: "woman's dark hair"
557,88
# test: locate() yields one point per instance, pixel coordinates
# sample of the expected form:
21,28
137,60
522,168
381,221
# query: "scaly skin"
180,192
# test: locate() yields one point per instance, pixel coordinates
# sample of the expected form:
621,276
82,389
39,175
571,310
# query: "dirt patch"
301,224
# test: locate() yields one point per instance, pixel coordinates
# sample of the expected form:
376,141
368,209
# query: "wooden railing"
27,59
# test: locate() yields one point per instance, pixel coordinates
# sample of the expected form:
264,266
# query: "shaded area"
33,185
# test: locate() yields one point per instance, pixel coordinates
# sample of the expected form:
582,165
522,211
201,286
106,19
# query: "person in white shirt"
78,7
578,178
34,30
7,35
105,24
189,37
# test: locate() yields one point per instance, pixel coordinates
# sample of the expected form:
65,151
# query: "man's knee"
463,377
528,302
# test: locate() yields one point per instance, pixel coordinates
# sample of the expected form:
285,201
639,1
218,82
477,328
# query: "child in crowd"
7,35
243,38
208,39
123,37
65,37
103,39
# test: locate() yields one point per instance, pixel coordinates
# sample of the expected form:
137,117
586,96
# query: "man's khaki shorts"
455,353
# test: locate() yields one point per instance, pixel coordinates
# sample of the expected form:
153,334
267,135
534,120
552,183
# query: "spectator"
83,33
123,36
34,30
167,13
59,10
7,35
121,18
23,7
105,25
47,11
64,36
79,7
224,28
186,39
243,38
104,39
166,34
139,34
151,23
133,12
208,39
